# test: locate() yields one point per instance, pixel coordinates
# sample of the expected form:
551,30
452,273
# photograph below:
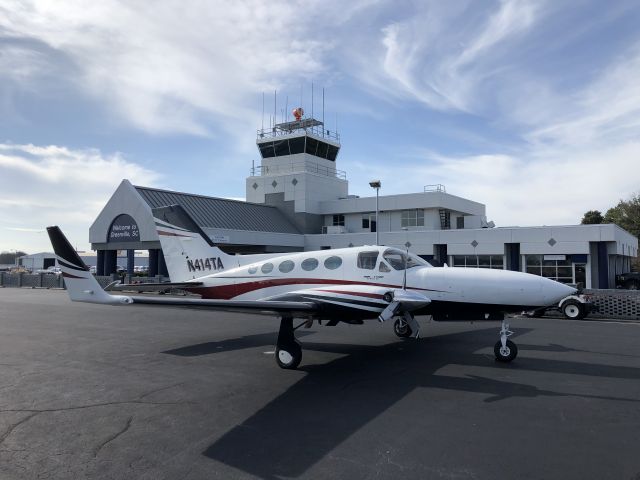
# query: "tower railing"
297,167
316,130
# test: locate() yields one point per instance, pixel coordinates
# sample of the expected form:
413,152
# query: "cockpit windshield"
399,260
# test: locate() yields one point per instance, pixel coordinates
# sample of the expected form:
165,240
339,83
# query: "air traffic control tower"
298,170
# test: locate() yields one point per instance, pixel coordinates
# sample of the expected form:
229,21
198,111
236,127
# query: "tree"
592,217
626,215
7,258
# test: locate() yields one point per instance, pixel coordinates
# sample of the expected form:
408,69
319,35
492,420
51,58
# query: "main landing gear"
505,350
288,349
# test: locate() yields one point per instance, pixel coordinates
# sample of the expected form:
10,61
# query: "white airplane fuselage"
344,284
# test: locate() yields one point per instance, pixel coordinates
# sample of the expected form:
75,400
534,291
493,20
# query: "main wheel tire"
402,328
507,354
289,357
573,310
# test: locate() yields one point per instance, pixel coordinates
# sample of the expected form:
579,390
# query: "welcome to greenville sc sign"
123,229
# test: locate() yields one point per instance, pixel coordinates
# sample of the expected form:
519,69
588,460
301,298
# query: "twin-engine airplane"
343,285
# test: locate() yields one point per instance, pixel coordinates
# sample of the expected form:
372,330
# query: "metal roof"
212,212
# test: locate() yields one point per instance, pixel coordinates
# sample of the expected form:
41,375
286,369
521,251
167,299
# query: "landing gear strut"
288,349
505,350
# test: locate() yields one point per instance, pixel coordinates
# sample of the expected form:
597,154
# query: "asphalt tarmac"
90,391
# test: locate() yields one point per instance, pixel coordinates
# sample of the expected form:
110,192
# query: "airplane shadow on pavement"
334,400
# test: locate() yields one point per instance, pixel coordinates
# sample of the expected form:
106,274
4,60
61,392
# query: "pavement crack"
113,437
159,390
16,425
92,405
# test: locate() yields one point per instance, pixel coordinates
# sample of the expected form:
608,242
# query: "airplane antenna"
404,278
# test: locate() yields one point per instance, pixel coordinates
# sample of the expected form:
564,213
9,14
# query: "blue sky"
531,107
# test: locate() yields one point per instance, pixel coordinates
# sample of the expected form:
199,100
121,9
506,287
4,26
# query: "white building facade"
298,200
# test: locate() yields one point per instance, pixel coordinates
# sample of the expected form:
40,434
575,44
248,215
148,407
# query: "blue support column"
131,259
110,261
603,265
153,262
100,263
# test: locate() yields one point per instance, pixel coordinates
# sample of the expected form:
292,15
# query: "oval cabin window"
309,264
267,267
286,266
332,263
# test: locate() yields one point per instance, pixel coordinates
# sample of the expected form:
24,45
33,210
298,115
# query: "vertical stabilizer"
188,252
80,283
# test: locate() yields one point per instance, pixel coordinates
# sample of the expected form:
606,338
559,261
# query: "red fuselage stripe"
230,291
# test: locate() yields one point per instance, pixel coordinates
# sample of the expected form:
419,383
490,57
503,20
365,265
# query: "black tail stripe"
63,248
72,267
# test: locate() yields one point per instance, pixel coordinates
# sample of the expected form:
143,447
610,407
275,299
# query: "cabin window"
412,218
286,266
383,267
309,264
267,267
332,263
367,260
400,260
252,270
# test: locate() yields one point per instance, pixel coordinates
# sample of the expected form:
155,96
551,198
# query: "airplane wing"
83,287
151,287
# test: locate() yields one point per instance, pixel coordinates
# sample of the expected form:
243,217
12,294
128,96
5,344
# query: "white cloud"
41,186
163,67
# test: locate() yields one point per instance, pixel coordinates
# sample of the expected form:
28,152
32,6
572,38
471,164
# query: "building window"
338,220
560,270
365,221
412,218
459,222
479,261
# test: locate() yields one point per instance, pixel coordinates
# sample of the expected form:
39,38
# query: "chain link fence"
622,304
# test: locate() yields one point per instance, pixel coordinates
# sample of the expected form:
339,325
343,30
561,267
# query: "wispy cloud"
40,185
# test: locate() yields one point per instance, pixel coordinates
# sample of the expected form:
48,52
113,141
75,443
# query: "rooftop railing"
437,187
308,167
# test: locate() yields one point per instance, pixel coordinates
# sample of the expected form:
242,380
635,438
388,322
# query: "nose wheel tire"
402,328
507,353
573,310
289,357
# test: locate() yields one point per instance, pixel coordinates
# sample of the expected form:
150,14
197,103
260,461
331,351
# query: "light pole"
376,184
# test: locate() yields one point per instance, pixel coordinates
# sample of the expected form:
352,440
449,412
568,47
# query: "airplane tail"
80,283
188,252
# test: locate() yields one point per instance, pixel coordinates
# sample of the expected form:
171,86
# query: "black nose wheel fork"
288,349
505,350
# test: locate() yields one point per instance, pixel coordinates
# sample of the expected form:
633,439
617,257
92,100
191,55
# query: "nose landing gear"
505,350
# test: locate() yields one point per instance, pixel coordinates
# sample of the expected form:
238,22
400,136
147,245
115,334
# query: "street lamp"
376,184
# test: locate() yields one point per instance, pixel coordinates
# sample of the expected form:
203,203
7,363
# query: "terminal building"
297,199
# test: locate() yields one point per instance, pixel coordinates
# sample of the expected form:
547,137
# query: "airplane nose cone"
554,291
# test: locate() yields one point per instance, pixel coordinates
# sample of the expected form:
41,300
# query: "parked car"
50,271
573,307
630,280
